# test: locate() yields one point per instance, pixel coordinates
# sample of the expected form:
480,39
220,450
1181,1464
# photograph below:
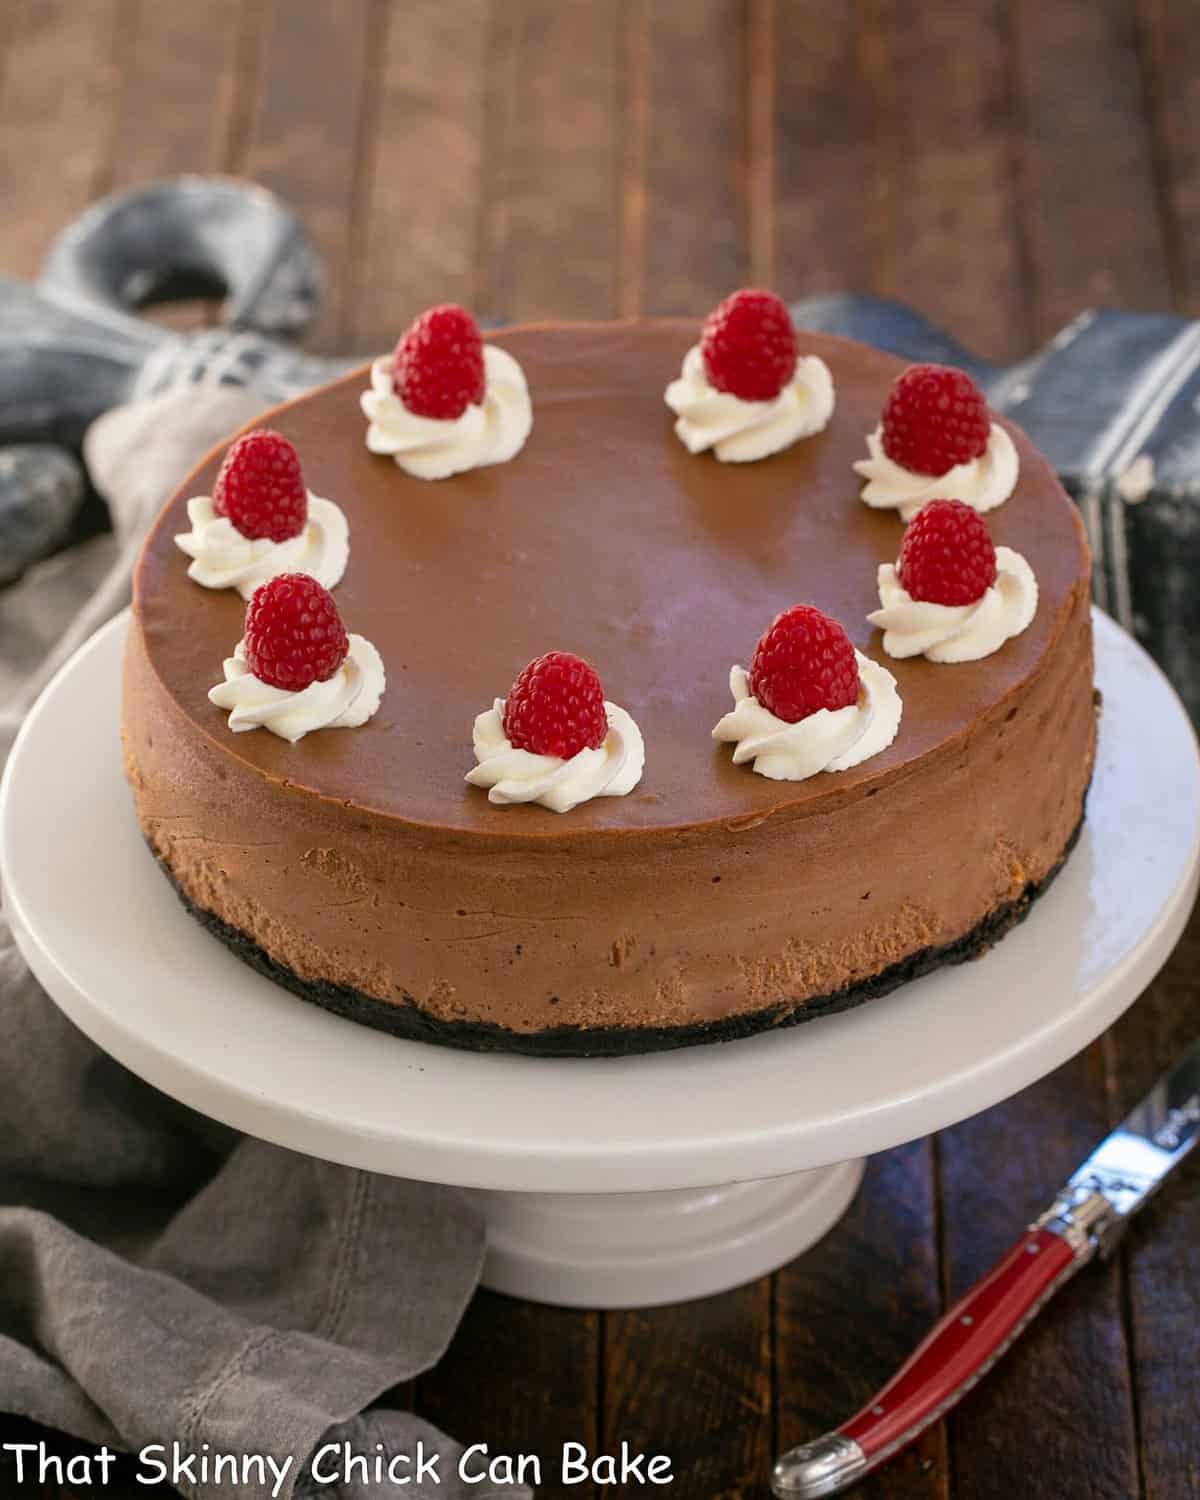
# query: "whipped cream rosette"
555,740
810,701
296,669
262,520
742,431
982,483
827,740
445,402
951,595
936,437
222,558
744,390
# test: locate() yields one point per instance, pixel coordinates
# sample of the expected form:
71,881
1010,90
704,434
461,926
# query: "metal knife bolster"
1086,1219
1131,1164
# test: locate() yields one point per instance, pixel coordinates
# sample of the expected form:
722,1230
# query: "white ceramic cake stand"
606,1182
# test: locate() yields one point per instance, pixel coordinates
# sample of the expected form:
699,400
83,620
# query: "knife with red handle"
1086,1219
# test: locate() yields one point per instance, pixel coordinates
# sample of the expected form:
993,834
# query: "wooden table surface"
999,164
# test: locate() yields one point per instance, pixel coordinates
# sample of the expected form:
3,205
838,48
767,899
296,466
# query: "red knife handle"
965,1344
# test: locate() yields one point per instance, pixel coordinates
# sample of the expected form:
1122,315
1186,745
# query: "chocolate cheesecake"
359,869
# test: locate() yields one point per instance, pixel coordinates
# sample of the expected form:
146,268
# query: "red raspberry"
749,346
556,707
803,662
934,418
437,369
260,489
947,556
294,635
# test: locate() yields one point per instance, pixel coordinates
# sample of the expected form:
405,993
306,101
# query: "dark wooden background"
1000,164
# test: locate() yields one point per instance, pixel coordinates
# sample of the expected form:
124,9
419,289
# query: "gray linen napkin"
163,1280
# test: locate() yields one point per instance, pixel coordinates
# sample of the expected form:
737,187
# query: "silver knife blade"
1147,1146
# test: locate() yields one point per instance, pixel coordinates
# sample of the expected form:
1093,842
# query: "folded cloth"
164,1280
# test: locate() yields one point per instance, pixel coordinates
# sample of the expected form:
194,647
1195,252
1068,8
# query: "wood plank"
551,225
421,231
1166,1019
1170,53
758,107
8,27
1161,1257
635,66
57,104
1165,1313
692,232
523,1379
852,1309
693,1382
179,73
315,76
916,196
1090,203
822,239
945,157
1069,1373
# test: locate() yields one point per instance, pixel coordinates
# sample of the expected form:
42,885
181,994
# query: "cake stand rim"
550,1151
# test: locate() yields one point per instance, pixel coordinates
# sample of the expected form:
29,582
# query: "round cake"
357,867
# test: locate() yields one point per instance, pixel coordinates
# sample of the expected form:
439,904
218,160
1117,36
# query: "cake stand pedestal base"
644,1249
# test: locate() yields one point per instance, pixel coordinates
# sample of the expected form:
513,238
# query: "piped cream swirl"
222,558
349,698
512,775
741,431
956,632
490,432
982,483
829,740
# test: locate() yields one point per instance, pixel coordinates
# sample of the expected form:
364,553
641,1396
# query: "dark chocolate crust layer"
408,1020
